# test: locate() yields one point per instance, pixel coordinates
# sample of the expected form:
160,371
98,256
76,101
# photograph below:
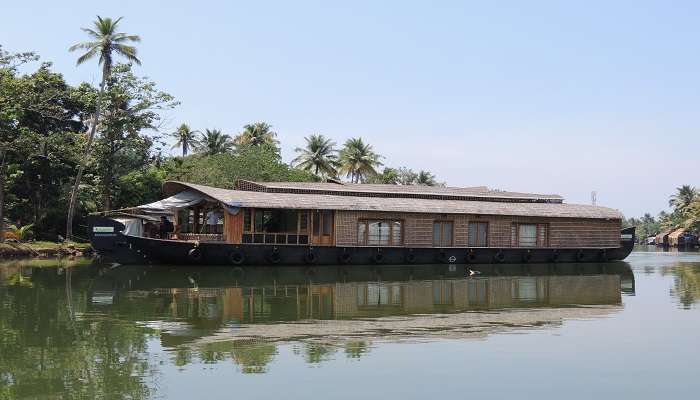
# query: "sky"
564,97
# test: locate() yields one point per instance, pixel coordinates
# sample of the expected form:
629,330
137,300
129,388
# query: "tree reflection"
253,356
686,283
43,352
356,348
315,353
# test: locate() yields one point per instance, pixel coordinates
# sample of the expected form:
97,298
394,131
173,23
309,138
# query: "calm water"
71,329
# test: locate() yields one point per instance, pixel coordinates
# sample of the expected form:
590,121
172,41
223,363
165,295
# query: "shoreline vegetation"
78,149
42,249
685,213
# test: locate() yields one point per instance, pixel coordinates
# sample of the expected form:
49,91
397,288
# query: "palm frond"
84,45
87,56
127,51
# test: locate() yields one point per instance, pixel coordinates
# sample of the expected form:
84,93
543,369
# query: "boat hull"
124,249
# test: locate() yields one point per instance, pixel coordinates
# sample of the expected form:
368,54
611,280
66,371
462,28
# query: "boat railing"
200,237
274,238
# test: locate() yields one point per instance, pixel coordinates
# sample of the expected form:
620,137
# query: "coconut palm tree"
318,156
683,197
425,178
213,141
257,134
106,42
358,160
185,137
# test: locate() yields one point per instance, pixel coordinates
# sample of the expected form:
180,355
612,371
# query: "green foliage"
133,107
139,187
318,156
358,160
403,176
685,213
185,138
213,142
106,41
22,232
257,134
260,163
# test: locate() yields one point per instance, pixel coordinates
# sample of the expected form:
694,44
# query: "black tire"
471,255
499,257
603,255
580,256
275,257
410,258
310,257
554,257
344,258
527,256
236,257
441,257
194,255
378,258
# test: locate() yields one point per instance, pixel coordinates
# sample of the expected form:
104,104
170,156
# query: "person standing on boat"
166,227
213,218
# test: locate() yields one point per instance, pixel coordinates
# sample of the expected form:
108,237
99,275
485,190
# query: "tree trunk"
83,162
2,194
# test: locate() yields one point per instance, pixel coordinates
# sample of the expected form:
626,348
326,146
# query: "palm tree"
426,178
683,197
106,42
213,142
358,160
257,134
318,156
185,138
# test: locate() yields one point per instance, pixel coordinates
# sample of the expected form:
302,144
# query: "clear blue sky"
555,97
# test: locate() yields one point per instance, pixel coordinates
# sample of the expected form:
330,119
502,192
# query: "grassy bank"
42,249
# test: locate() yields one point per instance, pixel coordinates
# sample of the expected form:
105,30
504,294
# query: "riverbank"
43,249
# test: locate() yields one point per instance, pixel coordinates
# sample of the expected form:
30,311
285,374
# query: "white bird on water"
472,272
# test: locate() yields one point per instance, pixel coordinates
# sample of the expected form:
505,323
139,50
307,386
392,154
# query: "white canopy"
180,200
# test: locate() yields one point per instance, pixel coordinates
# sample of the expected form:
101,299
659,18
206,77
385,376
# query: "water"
72,329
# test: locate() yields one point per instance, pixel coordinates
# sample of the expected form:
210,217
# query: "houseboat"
330,223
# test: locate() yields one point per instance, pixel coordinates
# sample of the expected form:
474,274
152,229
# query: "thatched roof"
396,191
246,198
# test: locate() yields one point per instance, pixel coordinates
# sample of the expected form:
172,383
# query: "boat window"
362,233
246,220
303,222
442,233
327,223
275,226
317,224
477,234
396,232
379,233
529,235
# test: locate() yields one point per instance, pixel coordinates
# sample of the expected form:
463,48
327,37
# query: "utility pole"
593,197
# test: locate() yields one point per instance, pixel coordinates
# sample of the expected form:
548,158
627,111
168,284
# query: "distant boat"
285,223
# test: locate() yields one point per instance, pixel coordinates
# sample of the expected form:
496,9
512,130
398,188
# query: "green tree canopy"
185,137
318,156
358,160
260,163
257,134
213,142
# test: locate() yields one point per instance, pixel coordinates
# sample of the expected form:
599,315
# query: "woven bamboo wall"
418,229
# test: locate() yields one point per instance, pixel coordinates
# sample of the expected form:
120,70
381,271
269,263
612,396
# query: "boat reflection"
189,305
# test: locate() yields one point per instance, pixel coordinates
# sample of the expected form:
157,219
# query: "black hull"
125,249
